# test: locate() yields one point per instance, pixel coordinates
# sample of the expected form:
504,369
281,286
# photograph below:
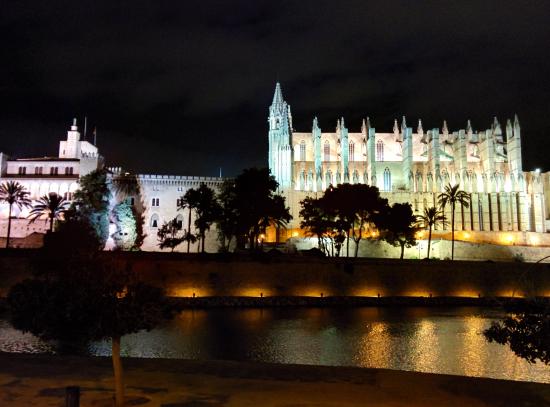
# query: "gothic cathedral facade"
412,166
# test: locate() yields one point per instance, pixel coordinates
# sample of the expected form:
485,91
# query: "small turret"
509,129
517,127
497,131
315,123
396,131
445,130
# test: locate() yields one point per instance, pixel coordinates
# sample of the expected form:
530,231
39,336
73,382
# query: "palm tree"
189,201
431,218
13,193
51,206
452,195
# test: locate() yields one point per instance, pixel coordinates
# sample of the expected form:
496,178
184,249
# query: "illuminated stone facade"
157,200
412,166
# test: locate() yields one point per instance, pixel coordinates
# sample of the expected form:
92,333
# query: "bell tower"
280,141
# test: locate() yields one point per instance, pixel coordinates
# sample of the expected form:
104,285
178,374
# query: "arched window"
379,150
302,150
351,151
446,179
302,180
179,221
327,151
419,186
155,221
328,178
387,179
430,179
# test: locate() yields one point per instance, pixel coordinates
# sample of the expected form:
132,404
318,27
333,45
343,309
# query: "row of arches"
155,221
470,182
301,151
306,180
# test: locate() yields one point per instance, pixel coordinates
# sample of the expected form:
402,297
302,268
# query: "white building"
158,198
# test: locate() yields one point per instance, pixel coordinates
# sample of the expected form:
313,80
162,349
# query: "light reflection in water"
434,340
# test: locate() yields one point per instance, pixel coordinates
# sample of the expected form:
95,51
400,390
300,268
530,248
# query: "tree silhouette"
316,221
453,195
431,218
189,201
168,235
13,193
203,201
228,217
76,295
526,331
398,226
255,205
344,212
51,206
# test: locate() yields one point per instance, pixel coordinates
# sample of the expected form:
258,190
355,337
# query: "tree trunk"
203,239
51,224
9,228
189,231
402,250
117,370
453,231
429,241
347,245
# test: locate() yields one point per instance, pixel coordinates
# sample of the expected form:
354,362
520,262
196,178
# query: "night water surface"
435,340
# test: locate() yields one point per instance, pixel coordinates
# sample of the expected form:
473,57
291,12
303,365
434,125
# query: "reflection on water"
447,340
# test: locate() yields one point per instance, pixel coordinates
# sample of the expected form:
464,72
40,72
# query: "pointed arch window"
326,151
154,221
379,150
302,150
351,151
328,178
387,179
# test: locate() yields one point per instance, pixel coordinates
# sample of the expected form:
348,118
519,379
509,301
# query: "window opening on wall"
387,179
379,150
302,150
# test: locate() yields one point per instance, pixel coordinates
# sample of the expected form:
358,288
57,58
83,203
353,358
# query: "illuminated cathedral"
412,165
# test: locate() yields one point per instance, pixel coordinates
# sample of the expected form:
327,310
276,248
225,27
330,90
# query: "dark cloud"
183,87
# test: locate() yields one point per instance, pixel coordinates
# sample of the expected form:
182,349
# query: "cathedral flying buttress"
412,165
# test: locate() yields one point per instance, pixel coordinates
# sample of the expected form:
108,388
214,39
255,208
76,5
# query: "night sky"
183,87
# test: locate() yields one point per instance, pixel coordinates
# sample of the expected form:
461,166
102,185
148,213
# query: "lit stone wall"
183,276
159,195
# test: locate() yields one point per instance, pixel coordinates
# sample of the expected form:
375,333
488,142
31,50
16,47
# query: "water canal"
435,340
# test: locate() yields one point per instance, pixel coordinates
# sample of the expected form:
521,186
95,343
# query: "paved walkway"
27,380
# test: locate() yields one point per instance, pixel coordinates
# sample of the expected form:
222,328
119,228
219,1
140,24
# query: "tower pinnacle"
278,95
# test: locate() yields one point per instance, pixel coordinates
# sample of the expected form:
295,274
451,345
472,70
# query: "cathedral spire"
278,95
315,123
445,129
469,127
516,121
419,129
497,131
395,127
